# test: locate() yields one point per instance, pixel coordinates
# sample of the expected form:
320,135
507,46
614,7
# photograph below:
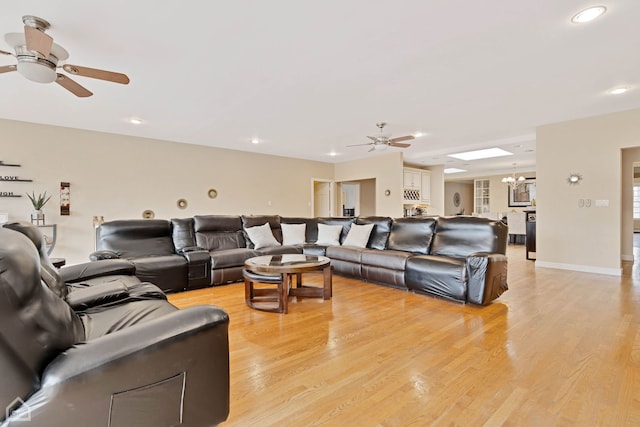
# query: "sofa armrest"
89,270
181,360
103,254
199,262
487,277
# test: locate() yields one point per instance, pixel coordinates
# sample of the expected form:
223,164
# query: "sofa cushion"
412,234
329,235
390,259
293,234
231,257
183,233
459,236
261,236
314,249
358,235
345,253
381,230
132,238
249,221
217,232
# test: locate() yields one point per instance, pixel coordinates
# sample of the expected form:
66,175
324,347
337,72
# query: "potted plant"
38,202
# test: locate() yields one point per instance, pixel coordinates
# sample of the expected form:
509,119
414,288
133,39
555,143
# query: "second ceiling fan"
382,141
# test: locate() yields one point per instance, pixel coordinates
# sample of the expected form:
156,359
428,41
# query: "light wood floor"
559,348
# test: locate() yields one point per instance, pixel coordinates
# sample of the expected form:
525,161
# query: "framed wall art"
523,194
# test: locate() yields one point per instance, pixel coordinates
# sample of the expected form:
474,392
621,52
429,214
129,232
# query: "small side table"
58,262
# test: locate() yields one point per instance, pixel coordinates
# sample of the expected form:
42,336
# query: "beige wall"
119,177
466,198
387,171
581,238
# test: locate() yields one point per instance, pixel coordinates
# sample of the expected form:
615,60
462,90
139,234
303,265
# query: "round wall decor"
148,214
456,199
213,193
387,192
182,203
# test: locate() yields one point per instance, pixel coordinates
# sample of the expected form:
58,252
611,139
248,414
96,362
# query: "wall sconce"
574,178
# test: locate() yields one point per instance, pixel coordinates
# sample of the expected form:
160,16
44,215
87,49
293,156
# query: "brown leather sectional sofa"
460,258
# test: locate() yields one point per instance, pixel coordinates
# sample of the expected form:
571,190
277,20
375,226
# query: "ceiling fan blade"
8,68
38,41
72,86
4,52
399,144
357,145
96,74
402,138
373,138
372,149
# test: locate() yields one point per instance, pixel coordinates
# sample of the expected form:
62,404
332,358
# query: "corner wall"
570,236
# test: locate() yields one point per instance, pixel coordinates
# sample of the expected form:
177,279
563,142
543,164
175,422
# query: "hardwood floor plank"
559,348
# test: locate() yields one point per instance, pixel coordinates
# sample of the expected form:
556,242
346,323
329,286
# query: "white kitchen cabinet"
425,194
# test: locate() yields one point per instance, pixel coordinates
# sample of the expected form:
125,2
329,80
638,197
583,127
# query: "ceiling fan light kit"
39,57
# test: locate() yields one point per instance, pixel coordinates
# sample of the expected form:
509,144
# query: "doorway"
322,200
350,198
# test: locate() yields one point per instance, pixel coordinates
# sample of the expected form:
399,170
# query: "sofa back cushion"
249,221
216,232
459,236
412,235
35,324
182,232
311,231
343,221
133,238
381,230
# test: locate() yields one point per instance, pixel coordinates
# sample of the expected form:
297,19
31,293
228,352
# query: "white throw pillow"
329,235
358,235
261,236
293,234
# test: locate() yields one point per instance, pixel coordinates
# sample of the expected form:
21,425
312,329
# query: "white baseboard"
583,268
626,257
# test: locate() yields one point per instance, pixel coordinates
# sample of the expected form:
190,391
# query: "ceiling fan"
39,58
381,142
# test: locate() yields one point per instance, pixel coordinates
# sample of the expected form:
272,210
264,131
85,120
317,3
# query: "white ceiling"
311,77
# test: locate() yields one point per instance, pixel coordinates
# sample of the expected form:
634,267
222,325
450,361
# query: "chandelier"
512,181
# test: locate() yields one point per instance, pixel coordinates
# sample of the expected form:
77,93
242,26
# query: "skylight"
487,153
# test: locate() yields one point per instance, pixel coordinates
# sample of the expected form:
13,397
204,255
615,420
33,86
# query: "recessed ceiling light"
418,134
333,154
618,90
255,141
481,154
135,121
454,170
588,15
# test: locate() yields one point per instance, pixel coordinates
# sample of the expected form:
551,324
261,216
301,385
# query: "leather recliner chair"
142,363
89,284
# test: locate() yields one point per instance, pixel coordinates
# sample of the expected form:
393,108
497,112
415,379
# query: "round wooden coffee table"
279,270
